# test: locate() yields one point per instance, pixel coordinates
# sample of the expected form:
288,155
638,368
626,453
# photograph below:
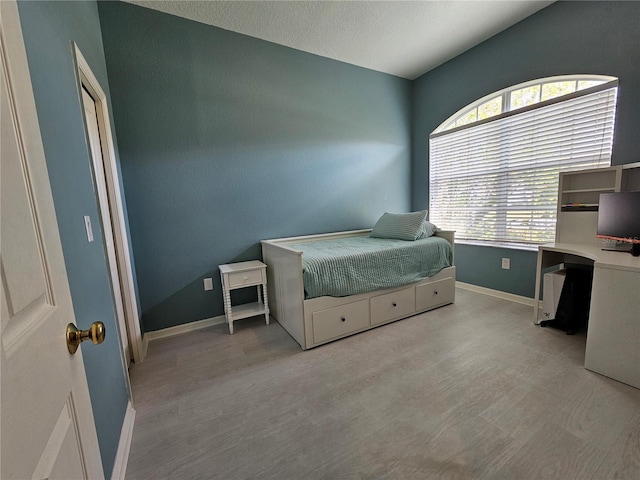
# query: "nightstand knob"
394,304
343,319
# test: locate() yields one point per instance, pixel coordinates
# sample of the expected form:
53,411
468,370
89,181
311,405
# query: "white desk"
613,336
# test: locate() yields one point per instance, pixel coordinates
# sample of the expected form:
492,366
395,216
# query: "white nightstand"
241,275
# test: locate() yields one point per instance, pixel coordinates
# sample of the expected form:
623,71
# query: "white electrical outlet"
506,263
208,284
87,226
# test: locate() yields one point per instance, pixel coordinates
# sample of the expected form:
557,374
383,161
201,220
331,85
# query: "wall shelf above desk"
579,195
589,207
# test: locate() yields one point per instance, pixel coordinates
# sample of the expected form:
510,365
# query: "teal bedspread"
352,265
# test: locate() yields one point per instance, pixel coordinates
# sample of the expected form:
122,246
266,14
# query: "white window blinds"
497,181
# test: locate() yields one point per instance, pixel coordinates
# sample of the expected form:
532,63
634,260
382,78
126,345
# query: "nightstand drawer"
241,279
391,306
339,321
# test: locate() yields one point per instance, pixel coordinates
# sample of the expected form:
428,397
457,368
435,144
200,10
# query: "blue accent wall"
564,38
49,29
226,140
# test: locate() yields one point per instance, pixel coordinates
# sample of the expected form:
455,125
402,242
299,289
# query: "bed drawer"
239,279
339,321
433,294
394,305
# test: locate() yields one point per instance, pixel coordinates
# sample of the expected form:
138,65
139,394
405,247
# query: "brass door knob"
75,337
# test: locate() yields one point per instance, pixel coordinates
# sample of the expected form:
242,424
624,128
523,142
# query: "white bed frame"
320,320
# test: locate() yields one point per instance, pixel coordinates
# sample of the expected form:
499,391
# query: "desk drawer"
392,306
241,279
340,321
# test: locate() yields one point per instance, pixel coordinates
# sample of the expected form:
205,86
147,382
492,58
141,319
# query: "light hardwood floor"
469,391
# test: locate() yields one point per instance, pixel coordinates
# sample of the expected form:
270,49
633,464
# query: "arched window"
493,166
520,96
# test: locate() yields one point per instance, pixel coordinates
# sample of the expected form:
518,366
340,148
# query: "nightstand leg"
226,297
266,303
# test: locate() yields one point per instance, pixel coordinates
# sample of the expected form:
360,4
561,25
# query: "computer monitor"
619,218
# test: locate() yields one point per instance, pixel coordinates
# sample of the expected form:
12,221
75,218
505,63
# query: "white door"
93,132
47,422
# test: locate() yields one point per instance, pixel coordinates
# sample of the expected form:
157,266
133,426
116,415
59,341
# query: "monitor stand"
634,250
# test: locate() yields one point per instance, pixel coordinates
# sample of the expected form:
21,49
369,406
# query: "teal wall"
226,140
564,38
48,29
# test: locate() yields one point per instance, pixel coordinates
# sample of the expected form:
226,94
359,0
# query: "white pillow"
427,229
400,226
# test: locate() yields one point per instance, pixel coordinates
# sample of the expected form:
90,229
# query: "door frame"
124,271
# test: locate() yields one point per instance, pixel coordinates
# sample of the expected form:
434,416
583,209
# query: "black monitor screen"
619,216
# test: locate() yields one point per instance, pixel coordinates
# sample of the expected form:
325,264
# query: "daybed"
315,321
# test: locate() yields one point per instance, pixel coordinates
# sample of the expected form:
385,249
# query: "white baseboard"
124,445
179,329
497,293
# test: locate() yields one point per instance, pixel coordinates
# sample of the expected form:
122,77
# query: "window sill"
509,246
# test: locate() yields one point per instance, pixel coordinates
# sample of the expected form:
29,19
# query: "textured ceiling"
403,38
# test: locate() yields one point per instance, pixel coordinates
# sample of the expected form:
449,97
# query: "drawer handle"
343,319
247,278
394,304
435,292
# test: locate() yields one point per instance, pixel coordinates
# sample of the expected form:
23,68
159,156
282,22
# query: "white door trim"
122,251
124,445
100,187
